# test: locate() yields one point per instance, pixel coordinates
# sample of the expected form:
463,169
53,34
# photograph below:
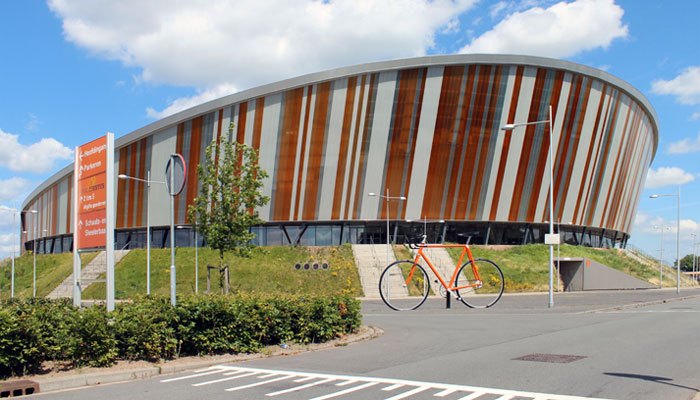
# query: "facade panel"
428,129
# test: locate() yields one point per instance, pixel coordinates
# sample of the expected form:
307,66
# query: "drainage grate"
550,358
18,388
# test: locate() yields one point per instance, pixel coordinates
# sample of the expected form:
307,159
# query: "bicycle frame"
450,287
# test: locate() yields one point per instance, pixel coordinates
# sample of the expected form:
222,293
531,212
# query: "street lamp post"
387,197
695,236
14,215
678,236
661,255
551,239
148,182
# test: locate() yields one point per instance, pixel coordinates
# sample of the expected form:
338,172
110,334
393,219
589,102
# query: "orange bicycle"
405,285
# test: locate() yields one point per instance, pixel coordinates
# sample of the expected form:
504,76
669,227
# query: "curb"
105,377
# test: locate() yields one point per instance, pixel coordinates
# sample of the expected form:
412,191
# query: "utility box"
579,274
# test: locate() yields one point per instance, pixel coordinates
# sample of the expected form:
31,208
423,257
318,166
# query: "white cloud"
685,146
11,189
562,30
184,103
37,158
665,176
209,43
686,86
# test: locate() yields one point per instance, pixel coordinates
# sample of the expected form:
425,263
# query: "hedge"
149,328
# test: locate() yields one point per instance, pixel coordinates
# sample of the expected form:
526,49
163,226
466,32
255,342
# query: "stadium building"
428,129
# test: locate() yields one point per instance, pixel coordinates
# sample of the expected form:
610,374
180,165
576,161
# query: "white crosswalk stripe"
351,384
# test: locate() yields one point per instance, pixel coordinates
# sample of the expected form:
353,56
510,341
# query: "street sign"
91,194
180,174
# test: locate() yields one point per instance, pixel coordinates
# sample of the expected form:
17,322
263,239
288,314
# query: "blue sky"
72,70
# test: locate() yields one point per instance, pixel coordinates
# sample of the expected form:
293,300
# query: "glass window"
274,236
324,236
309,237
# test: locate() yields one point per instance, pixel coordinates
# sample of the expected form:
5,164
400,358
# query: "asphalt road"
591,345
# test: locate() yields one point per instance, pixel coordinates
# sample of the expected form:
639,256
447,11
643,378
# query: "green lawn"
51,270
269,270
526,268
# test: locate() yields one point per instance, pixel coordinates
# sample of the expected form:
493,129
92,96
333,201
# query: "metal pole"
34,251
387,226
148,232
678,244
12,278
173,299
551,208
196,262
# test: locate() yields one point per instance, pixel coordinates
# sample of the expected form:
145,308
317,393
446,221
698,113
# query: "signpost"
93,216
175,174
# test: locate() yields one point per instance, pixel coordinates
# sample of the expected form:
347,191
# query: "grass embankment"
270,270
526,268
51,270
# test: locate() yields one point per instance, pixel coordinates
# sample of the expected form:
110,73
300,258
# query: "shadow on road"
657,379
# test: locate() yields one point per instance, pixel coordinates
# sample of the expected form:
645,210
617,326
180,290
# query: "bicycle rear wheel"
404,286
488,292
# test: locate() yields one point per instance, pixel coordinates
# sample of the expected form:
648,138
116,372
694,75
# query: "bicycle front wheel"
482,295
404,286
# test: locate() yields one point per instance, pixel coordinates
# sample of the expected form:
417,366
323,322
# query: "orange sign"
91,169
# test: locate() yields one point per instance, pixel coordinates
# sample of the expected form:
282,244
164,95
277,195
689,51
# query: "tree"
686,263
230,192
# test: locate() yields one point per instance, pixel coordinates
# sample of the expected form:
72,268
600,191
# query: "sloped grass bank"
526,268
51,270
270,270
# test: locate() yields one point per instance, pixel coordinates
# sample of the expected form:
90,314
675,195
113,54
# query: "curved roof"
427,61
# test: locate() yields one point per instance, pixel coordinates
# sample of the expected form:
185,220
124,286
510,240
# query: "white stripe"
305,379
445,392
302,387
392,387
281,378
348,382
409,393
224,379
346,391
218,371
472,396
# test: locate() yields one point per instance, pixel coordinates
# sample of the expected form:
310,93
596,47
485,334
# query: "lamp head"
508,127
402,198
123,176
371,194
654,196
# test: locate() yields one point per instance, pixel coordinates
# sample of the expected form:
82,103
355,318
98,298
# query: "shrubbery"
149,328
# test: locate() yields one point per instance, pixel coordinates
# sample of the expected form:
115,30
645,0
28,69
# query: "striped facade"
428,129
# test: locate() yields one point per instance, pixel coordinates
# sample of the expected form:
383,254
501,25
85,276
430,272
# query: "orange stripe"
544,156
588,158
54,217
257,124
398,141
486,141
475,135
416,124
121,189
69,204
141,186
577,140
442,140
194,159
300,170
506,143
287,154
318,135
361,171
343,152
527,148
462,141
355,145
179,145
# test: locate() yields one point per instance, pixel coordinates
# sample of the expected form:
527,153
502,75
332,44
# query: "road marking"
346,391
360,383
302,387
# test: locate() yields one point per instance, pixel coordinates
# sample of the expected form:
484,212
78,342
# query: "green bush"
149,328
145,329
